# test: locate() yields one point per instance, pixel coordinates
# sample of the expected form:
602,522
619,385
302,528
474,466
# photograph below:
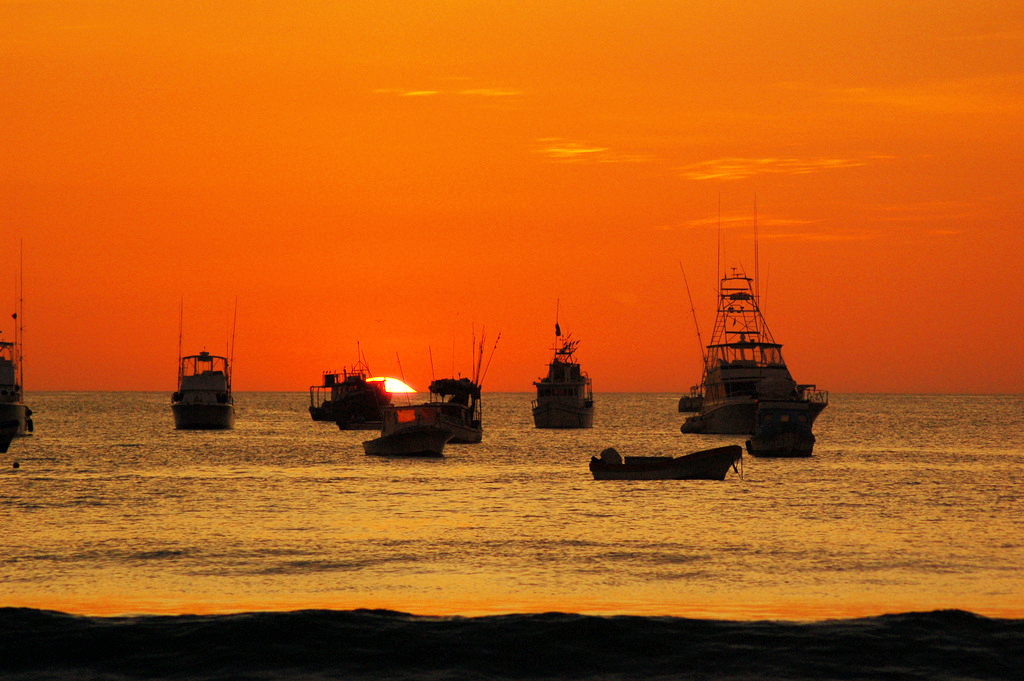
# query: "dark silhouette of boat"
743,367
351,399
565,397
460,410
708,464
8,431
203,400
413,430
783,430
13,409
691,402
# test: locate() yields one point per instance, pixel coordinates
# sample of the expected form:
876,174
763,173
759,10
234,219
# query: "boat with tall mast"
744,368
352,399
15,416
203,400
565,397
460,398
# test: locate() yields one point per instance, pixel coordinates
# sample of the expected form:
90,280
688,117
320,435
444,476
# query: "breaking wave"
389,645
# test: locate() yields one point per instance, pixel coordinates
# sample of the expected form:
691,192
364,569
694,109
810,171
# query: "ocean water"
278,549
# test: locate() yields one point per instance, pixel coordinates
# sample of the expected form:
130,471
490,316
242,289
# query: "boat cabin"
204,372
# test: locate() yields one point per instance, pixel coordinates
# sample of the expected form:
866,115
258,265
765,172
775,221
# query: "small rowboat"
709,464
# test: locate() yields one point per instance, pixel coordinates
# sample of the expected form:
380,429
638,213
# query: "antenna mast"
19,326
231,352
757,270
703,353
480,384
181,324
718,264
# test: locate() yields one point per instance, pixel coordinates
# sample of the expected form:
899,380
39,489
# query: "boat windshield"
751,354
203,363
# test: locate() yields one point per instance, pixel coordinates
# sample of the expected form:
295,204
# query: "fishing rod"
700,339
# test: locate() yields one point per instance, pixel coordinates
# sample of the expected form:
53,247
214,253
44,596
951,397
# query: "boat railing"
812,394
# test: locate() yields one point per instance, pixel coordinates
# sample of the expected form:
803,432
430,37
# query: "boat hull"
709,464
8,431
426,441
736,418
558,414
18,412
690,403
463,434
201,416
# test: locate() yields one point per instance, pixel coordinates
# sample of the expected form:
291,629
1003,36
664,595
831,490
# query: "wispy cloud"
562,150
558,149
733,168
490,92
821,237
470,92
999,94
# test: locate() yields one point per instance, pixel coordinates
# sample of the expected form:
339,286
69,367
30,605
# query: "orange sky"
400,173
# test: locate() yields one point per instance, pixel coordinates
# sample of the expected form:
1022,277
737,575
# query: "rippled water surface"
909,503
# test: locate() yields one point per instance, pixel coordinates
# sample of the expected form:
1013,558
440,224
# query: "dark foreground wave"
38,644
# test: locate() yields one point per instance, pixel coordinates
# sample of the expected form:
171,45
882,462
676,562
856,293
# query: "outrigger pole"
757,270
231,352
19,313
480,384
181,326
703,350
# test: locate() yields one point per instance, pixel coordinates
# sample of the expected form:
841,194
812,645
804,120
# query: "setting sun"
393,385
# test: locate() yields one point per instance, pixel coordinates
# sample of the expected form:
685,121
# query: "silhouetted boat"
743,366
565,397
12,408
693,401
709,464
460,410
414,430
14,414
783,430
203,400
351,399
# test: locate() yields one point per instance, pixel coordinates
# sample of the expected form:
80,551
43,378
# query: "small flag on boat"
558,330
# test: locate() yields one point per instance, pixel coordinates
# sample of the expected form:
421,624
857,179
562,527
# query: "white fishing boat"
743,367
411,430
565,397
203,400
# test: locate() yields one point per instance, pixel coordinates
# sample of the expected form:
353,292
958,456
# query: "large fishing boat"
743,367
565,397
203,400
15,417
351,399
